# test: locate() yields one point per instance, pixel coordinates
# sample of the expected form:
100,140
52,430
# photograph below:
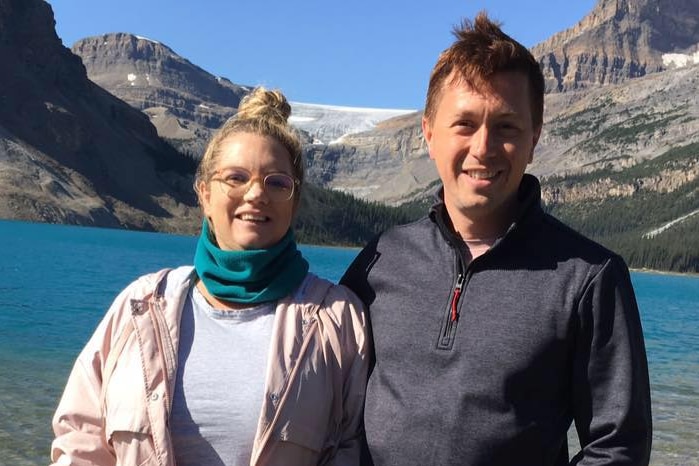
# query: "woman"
246,358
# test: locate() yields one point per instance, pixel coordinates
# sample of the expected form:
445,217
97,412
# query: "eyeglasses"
279,187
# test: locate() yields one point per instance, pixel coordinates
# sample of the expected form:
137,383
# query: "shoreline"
665,272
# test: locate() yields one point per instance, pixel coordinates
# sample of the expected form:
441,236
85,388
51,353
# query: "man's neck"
483,228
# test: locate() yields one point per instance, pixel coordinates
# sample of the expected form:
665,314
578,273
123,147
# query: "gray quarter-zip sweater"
487,362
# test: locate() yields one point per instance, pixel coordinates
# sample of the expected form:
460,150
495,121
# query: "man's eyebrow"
467,113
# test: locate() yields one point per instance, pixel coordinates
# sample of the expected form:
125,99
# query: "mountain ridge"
187,103
616,160
69,150
619,40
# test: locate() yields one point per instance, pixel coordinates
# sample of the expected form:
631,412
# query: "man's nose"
482,143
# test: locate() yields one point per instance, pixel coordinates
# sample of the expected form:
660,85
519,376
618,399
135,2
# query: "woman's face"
244,210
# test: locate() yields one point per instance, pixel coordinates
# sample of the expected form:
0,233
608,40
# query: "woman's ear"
204,196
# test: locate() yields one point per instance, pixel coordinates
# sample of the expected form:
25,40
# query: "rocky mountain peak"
183,101
619,40
27,35
70,152
130,65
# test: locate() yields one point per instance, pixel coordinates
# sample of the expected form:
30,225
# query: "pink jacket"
116,404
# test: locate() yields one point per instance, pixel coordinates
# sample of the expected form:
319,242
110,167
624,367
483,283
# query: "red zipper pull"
455,297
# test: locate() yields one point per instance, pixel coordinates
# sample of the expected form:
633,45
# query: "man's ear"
427,133
535,141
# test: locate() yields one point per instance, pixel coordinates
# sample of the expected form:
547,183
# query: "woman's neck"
217,303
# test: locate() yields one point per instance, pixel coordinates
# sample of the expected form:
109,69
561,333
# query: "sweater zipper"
455,297
451,316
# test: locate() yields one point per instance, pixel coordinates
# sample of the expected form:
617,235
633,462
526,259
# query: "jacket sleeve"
611,391
355,370
78,422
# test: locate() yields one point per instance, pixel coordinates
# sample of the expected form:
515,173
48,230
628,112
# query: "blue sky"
364,53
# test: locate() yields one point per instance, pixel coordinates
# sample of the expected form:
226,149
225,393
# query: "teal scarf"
249,276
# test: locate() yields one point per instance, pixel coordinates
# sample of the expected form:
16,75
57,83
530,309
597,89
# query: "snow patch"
669,225
333,122
680,60
300,119
342,109
147,39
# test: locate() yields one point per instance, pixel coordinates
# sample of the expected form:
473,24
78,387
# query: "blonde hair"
262,112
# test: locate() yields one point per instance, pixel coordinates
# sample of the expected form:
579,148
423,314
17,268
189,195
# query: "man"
495,326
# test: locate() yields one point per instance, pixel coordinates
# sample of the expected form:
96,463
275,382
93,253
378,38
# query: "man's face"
481,143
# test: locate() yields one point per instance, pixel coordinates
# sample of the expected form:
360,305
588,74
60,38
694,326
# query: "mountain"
623,123
618,161
388,163
186,103
615,126
648,213
618,126
620,40
70,152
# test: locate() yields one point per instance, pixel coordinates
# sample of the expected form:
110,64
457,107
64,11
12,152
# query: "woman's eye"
279,181
237,177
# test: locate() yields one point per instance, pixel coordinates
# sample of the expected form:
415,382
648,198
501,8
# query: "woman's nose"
255,190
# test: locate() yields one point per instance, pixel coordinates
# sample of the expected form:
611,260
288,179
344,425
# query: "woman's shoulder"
315,289
137,293
148,286
331,301
156,283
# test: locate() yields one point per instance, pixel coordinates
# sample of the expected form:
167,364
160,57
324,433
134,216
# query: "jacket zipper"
284,390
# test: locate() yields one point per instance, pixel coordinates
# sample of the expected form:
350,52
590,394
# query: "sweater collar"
529,195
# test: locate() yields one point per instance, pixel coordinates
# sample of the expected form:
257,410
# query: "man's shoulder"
566,239
418,227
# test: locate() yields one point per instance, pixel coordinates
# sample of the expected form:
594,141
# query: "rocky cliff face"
619,126
69,151
183,101
388,164
619,40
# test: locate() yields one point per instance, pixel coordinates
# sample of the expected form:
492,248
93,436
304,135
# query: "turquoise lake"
59,280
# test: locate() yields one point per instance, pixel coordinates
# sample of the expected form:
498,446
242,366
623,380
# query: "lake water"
58,280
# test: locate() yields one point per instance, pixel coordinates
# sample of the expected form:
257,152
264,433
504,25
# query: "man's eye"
509,128
465,124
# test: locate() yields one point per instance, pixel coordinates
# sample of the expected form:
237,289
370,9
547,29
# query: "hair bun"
264,104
